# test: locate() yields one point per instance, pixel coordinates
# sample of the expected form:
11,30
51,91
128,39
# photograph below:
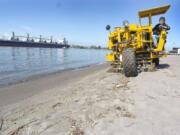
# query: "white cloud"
5,36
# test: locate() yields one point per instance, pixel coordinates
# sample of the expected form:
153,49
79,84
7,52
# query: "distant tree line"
88,47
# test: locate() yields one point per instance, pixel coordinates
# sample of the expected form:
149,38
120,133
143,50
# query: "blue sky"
80,21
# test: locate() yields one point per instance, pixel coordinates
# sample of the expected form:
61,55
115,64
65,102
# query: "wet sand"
36,84
102,103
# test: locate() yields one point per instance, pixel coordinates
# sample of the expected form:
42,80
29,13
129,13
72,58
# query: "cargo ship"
27,41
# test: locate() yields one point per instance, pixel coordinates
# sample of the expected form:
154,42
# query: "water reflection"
17,63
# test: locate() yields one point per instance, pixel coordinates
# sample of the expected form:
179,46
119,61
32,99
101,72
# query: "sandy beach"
38,83
94,101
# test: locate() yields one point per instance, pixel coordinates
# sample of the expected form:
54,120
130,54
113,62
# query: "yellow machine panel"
154,11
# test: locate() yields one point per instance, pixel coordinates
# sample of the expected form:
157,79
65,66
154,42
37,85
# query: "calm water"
19,63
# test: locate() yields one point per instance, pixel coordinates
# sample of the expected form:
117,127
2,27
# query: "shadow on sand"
163,66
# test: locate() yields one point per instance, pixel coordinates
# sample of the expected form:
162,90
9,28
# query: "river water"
19,63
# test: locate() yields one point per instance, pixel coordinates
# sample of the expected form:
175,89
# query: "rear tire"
129,62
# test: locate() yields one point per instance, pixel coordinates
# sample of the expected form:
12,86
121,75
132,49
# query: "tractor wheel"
129,62
156,61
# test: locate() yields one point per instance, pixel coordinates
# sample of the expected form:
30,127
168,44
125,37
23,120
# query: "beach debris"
118,108
17,130
128,115
56,105
77,131
124,112
75,128
120,85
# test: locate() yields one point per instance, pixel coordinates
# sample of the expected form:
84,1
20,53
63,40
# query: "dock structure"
40,42
175,51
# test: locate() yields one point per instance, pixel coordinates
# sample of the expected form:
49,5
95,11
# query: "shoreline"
40,75
35,84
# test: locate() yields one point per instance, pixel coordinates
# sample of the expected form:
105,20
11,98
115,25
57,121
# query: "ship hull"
11,43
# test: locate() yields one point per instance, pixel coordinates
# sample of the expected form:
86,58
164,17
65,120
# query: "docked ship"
27,41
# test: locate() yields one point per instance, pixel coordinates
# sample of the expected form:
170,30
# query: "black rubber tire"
129,62
156,61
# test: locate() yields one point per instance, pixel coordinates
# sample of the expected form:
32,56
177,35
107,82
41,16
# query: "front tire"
129,62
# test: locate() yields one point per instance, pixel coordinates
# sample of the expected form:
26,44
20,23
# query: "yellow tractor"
132,45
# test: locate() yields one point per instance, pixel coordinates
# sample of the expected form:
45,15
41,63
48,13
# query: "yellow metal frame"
137,36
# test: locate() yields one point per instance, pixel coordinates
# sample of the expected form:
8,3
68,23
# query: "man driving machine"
158,28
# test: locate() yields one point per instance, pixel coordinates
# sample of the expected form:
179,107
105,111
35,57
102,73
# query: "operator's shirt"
158,28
